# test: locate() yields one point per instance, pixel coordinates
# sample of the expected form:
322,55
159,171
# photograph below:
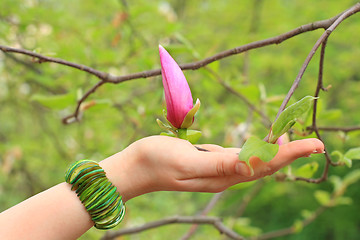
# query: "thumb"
220,164
293,150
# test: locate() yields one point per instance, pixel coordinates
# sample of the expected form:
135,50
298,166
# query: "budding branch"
109,78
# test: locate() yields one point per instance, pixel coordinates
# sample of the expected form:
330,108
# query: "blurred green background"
122,37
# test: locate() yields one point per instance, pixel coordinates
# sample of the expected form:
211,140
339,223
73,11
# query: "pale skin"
156,163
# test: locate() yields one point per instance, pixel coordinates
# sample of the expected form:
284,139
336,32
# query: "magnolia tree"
292,121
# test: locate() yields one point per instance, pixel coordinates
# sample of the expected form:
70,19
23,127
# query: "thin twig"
249,196
265,119
335,129
354,9
41,59
216,222
292,229
76,115
319,87
314,128
193,66
317,91
216,197
321,41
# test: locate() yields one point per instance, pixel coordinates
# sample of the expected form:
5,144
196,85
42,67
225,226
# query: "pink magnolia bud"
177,92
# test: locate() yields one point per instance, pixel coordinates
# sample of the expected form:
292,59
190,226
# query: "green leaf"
298,226
343,201
347,162
344,159
322,197
259,148
289,117
189,118
243,227
352,177
353,153
193,136
163,125
338,154
242,185
307,170
55,101
182,133
306,213
337,182
169,134
168,122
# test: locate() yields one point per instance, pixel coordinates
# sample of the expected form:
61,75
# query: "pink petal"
283,139
177,92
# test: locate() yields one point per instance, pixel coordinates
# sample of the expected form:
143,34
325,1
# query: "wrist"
120,169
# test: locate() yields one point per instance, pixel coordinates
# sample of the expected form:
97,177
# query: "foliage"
121,37
259,148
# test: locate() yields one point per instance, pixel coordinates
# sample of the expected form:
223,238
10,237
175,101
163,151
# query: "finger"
232,150
217,148
210,184
286,155
218,164
211,147
260,168
293,150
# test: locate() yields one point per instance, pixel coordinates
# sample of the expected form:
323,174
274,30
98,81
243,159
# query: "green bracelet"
96,192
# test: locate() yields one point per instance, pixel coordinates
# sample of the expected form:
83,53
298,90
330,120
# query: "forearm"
58,213
55,213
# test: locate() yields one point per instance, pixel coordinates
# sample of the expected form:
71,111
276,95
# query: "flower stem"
182,133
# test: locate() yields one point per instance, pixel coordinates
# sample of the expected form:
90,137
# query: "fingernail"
242,169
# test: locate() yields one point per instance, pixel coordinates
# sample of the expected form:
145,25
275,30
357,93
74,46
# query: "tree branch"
335,129
41,58
109,78
76,115
216,222
354,9
321,41
317,91
216,197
